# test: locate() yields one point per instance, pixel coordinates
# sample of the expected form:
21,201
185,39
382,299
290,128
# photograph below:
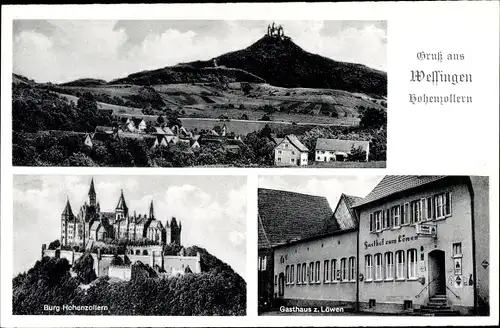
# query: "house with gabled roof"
327,150
289,151
313,248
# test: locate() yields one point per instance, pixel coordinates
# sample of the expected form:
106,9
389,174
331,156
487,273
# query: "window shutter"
371,222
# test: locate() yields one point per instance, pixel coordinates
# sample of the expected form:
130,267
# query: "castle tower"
175,231
92,194
121,212
151,211
66,217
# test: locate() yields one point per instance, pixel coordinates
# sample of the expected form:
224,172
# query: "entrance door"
437,273
339,158
281,284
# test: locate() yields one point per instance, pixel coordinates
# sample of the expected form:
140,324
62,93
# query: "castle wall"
173,265
121,272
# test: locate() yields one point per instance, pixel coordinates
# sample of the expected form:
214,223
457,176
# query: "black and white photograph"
374,245
199,93
129,245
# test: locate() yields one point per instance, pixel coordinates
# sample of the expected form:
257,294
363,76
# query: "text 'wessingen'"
438,77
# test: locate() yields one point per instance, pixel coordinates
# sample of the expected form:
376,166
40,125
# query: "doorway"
437,273
281,284
339,157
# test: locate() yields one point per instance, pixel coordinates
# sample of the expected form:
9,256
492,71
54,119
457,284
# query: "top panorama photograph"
191,93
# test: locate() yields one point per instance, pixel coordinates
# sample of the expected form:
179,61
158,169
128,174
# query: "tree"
160,120
55,244
79,159
84,268
173,119
265,117
357,154
373,118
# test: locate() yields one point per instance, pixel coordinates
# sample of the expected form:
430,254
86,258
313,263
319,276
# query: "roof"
155,224
122,205
295,142
286,216
137,120
101,128
351,201
168,131
67,209
159,130
341,145
95,225
92,189
393,184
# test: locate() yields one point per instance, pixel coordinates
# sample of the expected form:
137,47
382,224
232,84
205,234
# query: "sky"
212,210
330,187
64,50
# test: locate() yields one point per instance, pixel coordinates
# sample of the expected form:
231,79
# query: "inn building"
414,244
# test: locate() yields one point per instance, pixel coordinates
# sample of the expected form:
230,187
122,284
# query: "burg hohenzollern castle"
91,224
143,238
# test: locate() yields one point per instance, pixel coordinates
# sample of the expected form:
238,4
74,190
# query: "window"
416,211
292,273
286,145
369,267
317,158
299,277
378,267
372,223
279,151
317,272
457,249
279,159
293,153
388,221
384,220
378,223
292,160
395,215
287,274
405,219
442,204
352,268
334,270
423,206
430,215
343,269
311,272
326,271
275,279
304,273
389,265
412,263
400,265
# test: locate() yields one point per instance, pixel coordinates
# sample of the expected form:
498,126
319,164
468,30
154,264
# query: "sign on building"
457,266
426,230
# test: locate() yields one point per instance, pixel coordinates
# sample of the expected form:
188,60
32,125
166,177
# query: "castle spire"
92,194
67,209
151,210
122,205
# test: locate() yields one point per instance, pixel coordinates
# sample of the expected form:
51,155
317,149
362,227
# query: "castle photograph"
241,93
373,245
84,243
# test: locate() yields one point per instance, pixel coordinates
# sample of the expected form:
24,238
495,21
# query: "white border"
397,14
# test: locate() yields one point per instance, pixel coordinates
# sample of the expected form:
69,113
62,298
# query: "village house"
284,217
338,150
289,151
414,244
88,140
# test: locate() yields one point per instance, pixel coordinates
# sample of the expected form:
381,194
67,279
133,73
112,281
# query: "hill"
217,290
83,82
283,63
188,74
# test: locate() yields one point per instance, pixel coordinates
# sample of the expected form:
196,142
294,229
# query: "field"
209,100
345,165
